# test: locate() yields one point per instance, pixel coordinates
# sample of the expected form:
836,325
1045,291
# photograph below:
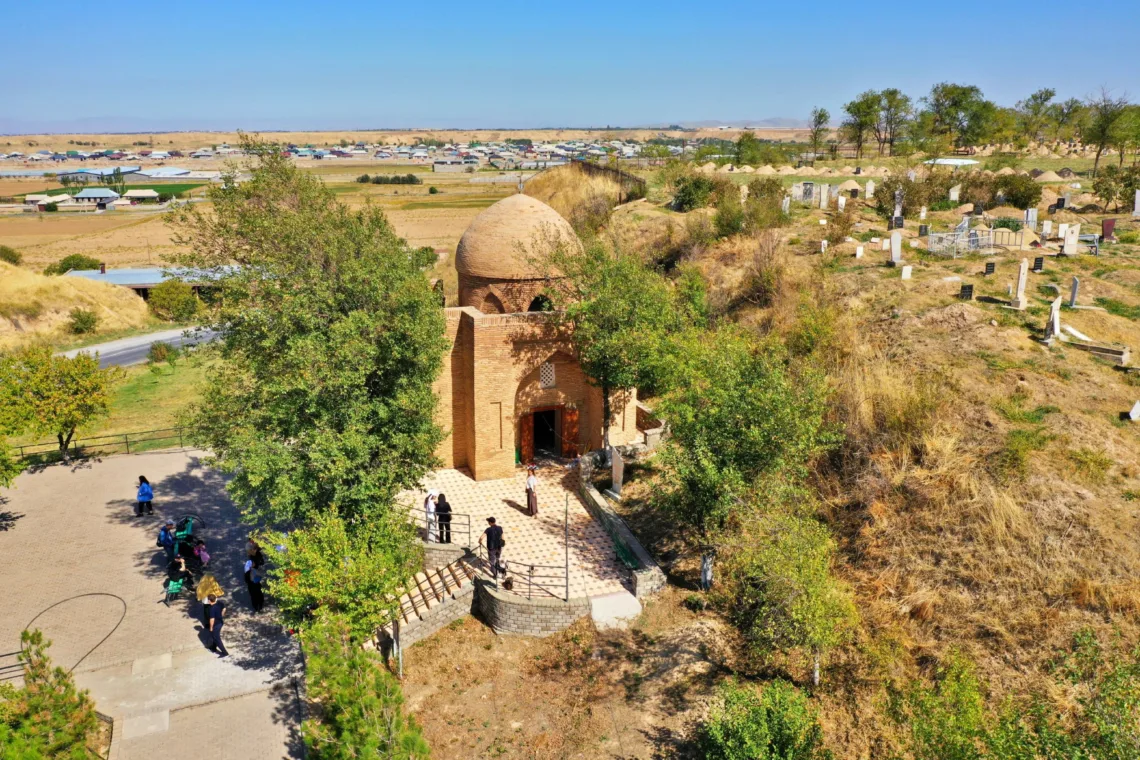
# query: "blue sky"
340,65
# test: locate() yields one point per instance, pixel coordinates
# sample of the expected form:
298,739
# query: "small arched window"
540,303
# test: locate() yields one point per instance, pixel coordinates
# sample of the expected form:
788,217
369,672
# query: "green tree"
1104,115
961,113
82,321
739,416
818,128
1067,118
76,261
749,150
360,709
946,721
618,313
115,181
54,395
333,338
173,301
862,115
1035,113
352,571
895,111
780,591
49,717
776,724
10,255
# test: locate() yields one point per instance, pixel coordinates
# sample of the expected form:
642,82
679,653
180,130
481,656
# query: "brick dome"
498,242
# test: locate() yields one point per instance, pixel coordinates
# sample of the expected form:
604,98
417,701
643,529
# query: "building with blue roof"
142,279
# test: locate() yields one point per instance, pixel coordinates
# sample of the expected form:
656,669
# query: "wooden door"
526,438
569,432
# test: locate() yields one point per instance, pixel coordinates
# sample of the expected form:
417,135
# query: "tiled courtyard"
594,567
77,564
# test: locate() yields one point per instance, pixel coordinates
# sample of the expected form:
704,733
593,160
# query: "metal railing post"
566,541
127,440
179,437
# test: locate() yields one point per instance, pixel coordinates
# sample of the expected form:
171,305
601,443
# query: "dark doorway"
540,303
545,434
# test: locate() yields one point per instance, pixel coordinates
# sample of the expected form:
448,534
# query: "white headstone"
824,196
1046,228
798,191
1053,326
1072,236
842,203
955,192
1073,290
786,204
617,471
1062,228
870,191
896,247
922,214
906,272
1018,301
886,244
912,175
1136,204
1135,413
1031,218
823,246
858,251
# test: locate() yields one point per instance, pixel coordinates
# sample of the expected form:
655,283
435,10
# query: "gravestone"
1053,326
898,203
989,268
1134,414
923,230
906,272
1075,288
1018,301
1136,205
786,205
797,192
1068,200
922,213
1046,229
1062,228
870,192
1039,264
617,473
858,251
1072,237
823,246
955,192
824,196
1108,230
886,242
966,293
1031,218
858,170
808,192
912,175
1062,202
896,248
842,203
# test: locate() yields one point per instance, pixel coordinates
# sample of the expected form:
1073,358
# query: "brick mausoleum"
510,386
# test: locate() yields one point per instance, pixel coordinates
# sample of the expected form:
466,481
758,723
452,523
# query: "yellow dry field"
33,306
118,239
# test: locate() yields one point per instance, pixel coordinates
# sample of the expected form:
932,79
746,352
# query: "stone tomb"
955,192
896,248
1018,301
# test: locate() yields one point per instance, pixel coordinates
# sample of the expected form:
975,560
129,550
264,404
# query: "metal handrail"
554,584
76,445
460,525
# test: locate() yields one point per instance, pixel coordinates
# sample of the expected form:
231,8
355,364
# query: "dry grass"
34,307
573,193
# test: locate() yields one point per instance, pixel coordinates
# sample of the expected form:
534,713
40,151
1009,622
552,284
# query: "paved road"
129,351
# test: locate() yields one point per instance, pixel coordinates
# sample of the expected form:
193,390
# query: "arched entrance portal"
550,431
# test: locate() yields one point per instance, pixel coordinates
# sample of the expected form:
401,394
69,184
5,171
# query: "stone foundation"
507,612
439,555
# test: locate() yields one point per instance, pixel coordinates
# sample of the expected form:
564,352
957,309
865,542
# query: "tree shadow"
289,710
668,744
8,518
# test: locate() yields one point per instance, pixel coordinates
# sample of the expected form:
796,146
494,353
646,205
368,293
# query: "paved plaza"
594,567
77,564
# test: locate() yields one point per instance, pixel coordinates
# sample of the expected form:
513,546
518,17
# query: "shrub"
162,352
10,255
364,179
729,217
693,192
841,225
82,321
433,190
51,207
76,261
1007,224
173,300
1129,238
943,205
396,179
588,216
1020,191
945,721
777,724
765,275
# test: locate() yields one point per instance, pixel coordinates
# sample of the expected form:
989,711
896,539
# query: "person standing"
430,517
217,615
494,538
253,583
443,514
166,540
532,491
145,498
253,552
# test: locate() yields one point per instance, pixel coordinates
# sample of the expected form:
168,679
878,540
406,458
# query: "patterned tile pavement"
594,567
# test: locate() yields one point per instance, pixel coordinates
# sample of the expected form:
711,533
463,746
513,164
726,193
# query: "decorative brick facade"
490,381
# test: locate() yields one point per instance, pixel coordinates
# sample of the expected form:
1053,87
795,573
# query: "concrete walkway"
77,564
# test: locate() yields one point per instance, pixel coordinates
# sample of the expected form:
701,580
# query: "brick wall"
439,555
507,612
437,617
512,295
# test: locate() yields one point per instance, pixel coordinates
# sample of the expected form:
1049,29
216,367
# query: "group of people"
209,592
437,515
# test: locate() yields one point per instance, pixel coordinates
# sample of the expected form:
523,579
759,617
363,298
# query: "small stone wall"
439,555
507,612
452,609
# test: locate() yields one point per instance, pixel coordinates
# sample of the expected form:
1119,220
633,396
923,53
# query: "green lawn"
160,187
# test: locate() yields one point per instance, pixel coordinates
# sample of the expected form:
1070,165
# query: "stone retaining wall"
507,612
440,555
